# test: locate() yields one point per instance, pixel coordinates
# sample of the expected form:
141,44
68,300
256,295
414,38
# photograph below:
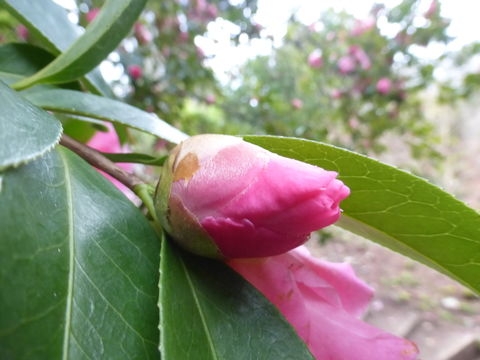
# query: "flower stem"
144,192
99,161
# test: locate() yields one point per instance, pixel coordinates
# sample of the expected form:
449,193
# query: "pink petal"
321,300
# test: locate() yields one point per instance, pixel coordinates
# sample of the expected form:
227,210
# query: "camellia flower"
362,26
432,9
323,301
336,94
361,56
222,197
384,85
142,34
22,32
315,59
135,71
92,14
297,104
210,99
346,64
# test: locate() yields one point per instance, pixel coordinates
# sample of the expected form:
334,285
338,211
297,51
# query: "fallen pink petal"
323,302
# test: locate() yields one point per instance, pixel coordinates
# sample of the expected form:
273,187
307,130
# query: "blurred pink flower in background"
346,64
432,9
360,56
200,52
183,37
135,71
353,123
315,59
92,14
22,32
108,142
210,99
212,11
203,11
362,26
336,94
142,34
384,85
323,301
297,104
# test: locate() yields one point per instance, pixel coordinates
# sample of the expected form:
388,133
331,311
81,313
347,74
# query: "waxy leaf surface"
396,209
78,103
79,269
26,131
49,23
208,311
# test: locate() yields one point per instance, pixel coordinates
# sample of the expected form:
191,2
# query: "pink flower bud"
346,64
297,104
22,32
142,34
92,14
222,197
315,59
323,302
384,85
135,71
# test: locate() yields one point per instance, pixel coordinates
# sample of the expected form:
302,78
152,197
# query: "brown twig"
96,159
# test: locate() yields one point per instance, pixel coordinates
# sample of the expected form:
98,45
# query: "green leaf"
207,311
137,158
78,103
18,60
396,209
49,23
26,131
79,267
100,38
23,59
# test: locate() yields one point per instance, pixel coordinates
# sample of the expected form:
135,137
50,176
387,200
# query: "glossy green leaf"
396,209
50,25
78,103
23,59
18,60
26,131
208,311
137,158
79,267
100,38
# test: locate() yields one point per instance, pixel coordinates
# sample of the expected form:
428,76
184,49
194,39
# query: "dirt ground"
398,280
